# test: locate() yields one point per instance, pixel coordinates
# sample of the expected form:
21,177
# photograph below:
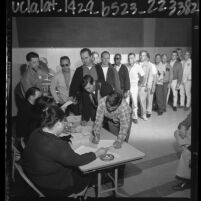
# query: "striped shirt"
121,115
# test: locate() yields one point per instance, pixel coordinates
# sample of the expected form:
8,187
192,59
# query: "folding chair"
23,175
15,157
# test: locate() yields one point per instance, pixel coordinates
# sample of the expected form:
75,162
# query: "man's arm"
116,80
150,78
75,83
125,121
99,116
126,80
180,73
186,123
53,87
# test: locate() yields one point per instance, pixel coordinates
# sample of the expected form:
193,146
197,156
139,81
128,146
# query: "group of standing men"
137,81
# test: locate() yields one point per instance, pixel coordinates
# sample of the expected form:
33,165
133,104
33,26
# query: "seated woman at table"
51,163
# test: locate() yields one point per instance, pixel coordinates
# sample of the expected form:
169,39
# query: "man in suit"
107,73
123,74
60,83
177,77
76,90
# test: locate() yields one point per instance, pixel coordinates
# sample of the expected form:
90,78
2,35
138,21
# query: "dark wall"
173,32
79,32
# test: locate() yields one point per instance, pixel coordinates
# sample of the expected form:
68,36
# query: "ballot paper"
86,130
103,143
74,119
65,105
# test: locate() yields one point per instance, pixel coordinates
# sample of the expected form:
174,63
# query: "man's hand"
153,89
83,123
147,89
177,87
101,152
169,85
95,138
117,144
126,94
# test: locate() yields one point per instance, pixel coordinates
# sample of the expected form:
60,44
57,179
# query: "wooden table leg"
99,184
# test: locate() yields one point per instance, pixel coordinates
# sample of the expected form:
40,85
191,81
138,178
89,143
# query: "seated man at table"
117,113
27,118
51,163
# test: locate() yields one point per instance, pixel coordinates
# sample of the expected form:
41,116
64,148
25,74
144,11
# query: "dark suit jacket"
124,78
86,109
28,119
49,161
112,77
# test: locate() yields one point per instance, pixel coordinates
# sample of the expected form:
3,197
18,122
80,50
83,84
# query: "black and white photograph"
100,106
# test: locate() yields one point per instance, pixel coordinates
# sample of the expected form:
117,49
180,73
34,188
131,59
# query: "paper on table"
103,143
69,102
74,118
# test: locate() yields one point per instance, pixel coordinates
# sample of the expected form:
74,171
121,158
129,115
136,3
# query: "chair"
23,175
15,157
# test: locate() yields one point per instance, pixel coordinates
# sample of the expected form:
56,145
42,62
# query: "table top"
82,143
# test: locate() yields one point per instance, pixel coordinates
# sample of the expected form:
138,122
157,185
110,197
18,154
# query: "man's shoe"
135,121
181,186
148,115
174,108
186,108
144,117
160,113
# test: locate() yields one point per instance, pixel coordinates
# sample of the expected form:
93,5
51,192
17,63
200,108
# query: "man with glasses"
60,83
123,75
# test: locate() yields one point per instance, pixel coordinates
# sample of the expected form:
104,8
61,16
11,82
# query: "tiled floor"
154,175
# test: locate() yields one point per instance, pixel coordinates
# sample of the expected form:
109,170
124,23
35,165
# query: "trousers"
185,91
175,92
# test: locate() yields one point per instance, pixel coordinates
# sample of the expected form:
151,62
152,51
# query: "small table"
126,153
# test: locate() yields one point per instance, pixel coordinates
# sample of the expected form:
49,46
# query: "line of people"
139,81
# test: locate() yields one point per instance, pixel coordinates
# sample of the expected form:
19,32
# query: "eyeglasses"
63,65
117,58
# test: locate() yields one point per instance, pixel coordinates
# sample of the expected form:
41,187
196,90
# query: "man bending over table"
116,114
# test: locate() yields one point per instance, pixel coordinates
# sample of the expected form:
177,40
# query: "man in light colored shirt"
181,88
136,74
160,92
60,83
177,77
152,90
146,85
186,79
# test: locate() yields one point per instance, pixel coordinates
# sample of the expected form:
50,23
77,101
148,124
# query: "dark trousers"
114,129
160,97
80,182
